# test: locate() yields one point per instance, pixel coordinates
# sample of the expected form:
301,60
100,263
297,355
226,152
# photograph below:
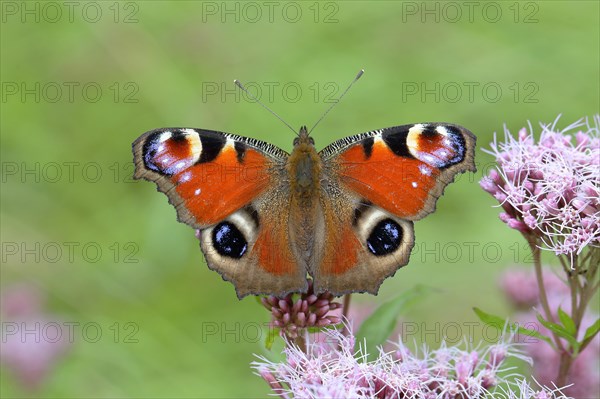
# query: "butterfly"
343,216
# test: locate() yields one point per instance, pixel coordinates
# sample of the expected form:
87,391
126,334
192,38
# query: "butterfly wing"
377,183
227,186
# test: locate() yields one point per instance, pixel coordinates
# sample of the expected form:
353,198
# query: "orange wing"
402,169
207,175
377,184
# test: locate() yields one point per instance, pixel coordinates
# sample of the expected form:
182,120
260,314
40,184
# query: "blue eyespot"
385,238
229,241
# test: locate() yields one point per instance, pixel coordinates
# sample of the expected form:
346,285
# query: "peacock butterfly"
343,215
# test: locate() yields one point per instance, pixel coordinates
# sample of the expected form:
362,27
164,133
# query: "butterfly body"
342,216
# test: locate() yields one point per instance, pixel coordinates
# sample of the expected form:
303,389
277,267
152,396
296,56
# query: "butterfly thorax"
304,168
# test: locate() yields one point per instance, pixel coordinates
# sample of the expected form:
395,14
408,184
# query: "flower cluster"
332,369
28,354
294,313
524,390
550,189
521,289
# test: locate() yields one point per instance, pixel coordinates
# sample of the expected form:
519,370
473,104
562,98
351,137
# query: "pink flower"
551,188
295,313
333,369
525,390
32,341
521,288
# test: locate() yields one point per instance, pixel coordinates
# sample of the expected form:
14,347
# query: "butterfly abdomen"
304,168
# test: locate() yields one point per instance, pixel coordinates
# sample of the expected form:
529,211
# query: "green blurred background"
81,81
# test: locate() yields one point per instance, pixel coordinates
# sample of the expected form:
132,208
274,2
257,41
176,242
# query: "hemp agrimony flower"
549,190
332,368
29,354
294,313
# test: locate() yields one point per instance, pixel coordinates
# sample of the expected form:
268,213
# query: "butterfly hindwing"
227,186
383,180
255,252
363,245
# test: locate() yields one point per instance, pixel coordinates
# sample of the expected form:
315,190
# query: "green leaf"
499,323
380,324
535,334
592,330
490,319
272,332
567,322
561,332
313,330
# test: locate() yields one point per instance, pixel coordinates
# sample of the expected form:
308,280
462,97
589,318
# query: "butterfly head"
303,139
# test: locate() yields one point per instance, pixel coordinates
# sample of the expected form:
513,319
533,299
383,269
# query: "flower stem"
345,311
566,360
346,307
588,267
537,261
581,293
300,341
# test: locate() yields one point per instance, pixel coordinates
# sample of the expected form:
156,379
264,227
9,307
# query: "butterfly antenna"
238,84
360,73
